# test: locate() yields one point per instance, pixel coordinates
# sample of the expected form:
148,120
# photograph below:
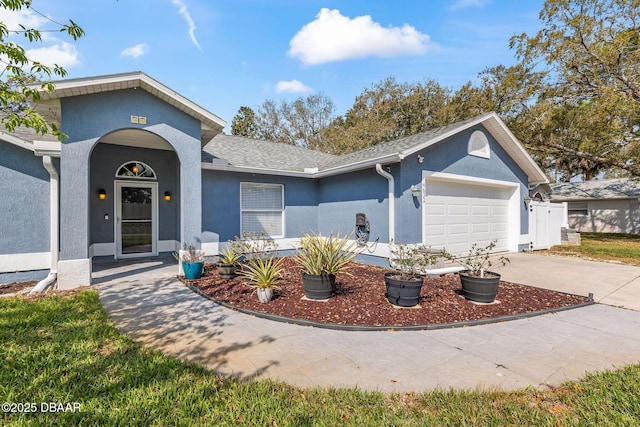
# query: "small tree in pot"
478,283
409,263
321,259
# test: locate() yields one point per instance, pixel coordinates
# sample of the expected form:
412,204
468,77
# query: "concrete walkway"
146,301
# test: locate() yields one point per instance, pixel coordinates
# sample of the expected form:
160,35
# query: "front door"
136,219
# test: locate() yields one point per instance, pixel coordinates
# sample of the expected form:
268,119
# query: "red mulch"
360,300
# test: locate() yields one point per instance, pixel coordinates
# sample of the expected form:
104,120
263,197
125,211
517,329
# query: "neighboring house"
143,170
602,206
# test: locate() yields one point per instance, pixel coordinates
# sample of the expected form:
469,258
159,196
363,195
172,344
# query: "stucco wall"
609,216
87,118
105,160
342,197
221,204
24,201
450,156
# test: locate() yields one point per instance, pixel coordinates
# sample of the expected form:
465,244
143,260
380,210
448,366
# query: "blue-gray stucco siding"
85,120
221,204
105,160
341,197
24,205
450,156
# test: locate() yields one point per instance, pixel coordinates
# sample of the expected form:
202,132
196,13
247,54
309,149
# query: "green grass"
65,349
622,248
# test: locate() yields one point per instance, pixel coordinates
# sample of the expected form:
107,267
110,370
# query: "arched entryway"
139,214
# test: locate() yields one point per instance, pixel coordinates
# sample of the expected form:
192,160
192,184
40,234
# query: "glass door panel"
136,227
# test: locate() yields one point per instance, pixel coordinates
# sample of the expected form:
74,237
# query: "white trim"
10,263
47,148
392,200
146,166
282,205
118,185
513,203
19,142
478,137
97,84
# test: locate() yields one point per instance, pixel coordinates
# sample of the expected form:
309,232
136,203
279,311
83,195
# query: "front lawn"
64,350
622,248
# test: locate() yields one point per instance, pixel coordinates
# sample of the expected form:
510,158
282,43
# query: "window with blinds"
262,209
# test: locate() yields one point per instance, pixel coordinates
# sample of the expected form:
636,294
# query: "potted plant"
409,263
264,274
321,259
253,246
227,262
192,261
478,283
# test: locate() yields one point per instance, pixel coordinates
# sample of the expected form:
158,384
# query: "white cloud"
12,19
292,86
463,4
136,50
334,37
182,10
62,54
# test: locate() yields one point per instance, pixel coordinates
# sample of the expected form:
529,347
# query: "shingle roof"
246,152
250,153
402,145
621,188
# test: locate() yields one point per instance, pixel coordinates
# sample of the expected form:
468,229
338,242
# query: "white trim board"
11,263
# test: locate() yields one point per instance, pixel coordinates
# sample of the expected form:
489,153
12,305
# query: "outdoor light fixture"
420,158
102,194
167,196
415,191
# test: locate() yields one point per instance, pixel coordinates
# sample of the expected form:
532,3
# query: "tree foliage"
244,123
588,113
18,88
299,122
389,110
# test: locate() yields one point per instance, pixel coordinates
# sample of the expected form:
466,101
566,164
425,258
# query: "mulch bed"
360,300
15,287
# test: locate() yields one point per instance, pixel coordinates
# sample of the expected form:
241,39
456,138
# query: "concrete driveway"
146,301
612,284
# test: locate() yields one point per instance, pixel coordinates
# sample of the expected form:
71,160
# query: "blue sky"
227,53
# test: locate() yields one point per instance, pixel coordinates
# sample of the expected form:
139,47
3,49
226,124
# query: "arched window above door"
135,169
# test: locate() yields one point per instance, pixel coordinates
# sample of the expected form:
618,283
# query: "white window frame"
281,210
478,145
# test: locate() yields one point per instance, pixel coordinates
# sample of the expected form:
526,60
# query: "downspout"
392,201
48,281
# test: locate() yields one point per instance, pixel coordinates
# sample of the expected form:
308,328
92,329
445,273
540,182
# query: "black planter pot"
480,289
404,293
318,286
227,271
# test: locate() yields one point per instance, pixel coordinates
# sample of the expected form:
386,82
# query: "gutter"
48,281
392,201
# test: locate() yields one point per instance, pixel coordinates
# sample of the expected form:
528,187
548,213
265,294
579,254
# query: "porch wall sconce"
167,196
420,158
415,191
102,195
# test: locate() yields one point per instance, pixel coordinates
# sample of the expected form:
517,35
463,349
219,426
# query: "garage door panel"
458,210
474,214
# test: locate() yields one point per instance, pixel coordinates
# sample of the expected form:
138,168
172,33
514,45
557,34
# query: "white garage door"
456,215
